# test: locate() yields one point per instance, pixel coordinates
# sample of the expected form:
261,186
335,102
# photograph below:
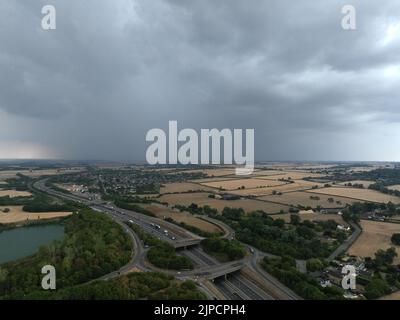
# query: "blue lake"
21,242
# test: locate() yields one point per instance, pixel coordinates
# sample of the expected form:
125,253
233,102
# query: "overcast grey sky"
112,70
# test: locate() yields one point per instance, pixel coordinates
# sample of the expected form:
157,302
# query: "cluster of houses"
333,275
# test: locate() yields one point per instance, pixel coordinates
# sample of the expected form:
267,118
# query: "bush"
225,250
164,256
396,239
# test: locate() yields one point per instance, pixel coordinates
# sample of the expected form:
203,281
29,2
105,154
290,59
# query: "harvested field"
34,173
298,185
365,183
270,173
202,199
392,296
294,175
14,193
207,180
161,212
183,187
375,236
220,172
313,217
359,194
246,183
16,214
304,199
394,187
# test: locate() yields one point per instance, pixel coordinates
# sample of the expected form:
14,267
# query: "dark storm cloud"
114,69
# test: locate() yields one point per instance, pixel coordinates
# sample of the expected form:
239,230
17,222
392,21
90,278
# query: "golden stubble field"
7,174
14,193
375,235
313,217
304,199
242,183
163,212
16,214
202,199
183,187
359,194
297,185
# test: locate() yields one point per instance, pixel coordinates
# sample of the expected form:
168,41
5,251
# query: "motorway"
227,277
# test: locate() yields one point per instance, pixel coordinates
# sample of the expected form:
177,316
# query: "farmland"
183,187
16,214
295,186
375,236
306,199
243,183
162,212
202,199
313,217
14,193
358,194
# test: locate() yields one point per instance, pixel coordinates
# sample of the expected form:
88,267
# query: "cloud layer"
112,70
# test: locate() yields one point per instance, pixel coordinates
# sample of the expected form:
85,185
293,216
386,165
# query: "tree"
315,265
385,257
396,239
376,288
295,219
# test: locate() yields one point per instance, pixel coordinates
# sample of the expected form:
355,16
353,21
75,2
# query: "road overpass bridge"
185,243
220,270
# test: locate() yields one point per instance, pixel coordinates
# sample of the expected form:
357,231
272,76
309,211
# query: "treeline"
134,207
39,203
195,209
164,256
298,239
284,269
223,249
42,203
148,239
14,201
354,212
381,187
386,275
20,184
134,286
93,246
